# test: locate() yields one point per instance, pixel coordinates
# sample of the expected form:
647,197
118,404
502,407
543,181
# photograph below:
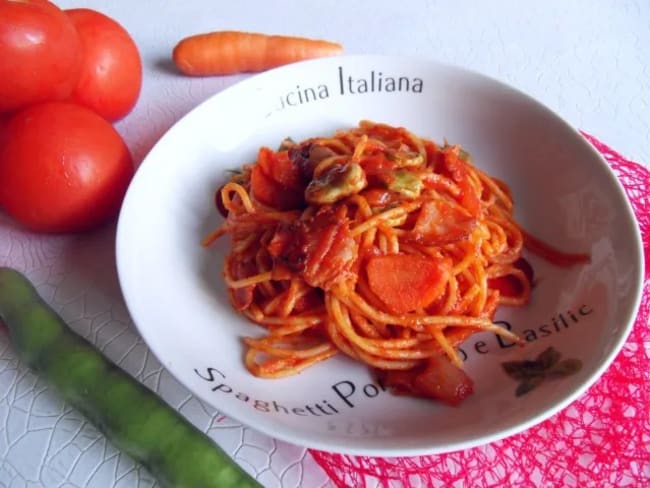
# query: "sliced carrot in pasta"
405,282
280,168
269,192
287,172
262,186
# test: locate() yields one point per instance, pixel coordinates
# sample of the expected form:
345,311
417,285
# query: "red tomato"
4,118
63,168
40,53
111,74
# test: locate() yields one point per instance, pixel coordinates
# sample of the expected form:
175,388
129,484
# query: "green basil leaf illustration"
565,368
528,385
549,357
523,370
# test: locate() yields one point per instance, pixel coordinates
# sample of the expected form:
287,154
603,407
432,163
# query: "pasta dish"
378,244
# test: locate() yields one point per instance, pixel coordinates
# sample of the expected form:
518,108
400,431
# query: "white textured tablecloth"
589,61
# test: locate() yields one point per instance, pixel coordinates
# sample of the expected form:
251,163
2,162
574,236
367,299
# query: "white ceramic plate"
564,193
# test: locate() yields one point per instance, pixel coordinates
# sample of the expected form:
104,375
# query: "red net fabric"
601,439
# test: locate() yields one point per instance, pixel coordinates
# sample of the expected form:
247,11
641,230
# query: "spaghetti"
378,244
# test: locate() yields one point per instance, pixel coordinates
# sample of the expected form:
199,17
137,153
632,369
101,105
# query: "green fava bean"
131,416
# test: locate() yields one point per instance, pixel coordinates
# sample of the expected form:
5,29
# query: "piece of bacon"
441,222
321,249
437,379
452,165
306,156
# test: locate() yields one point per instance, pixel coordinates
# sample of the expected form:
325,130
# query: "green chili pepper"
135,419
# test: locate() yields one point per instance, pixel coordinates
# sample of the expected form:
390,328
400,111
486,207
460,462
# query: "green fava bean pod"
131,416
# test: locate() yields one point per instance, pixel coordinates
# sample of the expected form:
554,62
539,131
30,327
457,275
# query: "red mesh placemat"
601,439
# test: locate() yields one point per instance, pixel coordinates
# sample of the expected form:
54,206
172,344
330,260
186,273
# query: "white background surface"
589,61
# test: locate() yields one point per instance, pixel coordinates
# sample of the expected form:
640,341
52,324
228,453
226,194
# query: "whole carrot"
229,52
